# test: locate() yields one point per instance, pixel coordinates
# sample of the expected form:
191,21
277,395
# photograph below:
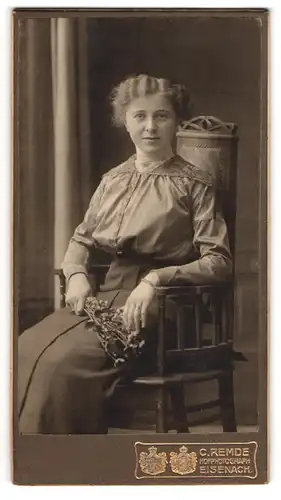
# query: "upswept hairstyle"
142,85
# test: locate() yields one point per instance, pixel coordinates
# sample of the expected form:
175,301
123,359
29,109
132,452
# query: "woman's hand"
136,307
79,289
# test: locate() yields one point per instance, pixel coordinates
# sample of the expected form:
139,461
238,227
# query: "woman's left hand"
136,307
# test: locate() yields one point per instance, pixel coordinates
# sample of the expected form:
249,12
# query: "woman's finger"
137,317
144,314
125,315
70,303
130,316
79,307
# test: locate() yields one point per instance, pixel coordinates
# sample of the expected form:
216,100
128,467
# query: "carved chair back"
210,144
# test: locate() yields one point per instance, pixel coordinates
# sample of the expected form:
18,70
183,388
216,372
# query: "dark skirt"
65,378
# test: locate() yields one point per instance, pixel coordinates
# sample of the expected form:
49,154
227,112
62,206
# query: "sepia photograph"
140,246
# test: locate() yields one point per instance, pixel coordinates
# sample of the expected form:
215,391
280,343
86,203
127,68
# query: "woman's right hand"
78,290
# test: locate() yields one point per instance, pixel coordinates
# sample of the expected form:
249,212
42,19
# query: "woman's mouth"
151,139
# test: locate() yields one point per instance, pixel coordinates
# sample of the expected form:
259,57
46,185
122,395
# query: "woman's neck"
145,158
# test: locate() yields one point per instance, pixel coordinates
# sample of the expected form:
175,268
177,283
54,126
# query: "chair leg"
178,408
227,406
161,410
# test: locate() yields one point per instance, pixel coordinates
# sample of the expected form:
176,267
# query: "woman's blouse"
169,213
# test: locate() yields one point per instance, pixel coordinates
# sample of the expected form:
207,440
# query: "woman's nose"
150,125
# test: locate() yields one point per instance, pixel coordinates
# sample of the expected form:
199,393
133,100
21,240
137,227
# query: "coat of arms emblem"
183,462
153,463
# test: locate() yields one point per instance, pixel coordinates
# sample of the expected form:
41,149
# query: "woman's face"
151,123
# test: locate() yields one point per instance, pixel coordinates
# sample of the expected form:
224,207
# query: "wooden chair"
205,355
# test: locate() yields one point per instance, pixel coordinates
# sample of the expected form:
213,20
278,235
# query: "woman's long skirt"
64,376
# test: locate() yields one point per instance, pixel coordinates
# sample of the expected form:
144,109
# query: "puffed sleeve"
77,254
210,239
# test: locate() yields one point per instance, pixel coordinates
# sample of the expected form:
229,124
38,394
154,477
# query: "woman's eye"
162,116
140,116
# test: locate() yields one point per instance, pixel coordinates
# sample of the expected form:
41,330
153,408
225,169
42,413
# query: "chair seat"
176,378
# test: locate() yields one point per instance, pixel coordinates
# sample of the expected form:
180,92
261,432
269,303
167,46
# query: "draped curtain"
52,154
72,175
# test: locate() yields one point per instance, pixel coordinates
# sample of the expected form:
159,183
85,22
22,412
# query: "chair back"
211,144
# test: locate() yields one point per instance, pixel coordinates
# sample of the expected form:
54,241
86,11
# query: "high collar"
145,162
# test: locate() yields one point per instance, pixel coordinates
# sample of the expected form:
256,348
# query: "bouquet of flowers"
119,343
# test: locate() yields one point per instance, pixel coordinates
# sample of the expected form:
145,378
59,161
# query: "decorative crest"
209,124
153,463
183,462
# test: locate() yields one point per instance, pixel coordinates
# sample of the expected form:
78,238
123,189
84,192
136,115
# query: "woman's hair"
142,85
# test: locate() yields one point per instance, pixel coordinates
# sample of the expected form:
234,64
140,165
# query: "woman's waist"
161,250
128,257
127,269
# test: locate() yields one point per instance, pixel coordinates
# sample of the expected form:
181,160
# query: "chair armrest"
191,290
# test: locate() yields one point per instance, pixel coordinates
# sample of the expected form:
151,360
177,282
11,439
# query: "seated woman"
158,217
